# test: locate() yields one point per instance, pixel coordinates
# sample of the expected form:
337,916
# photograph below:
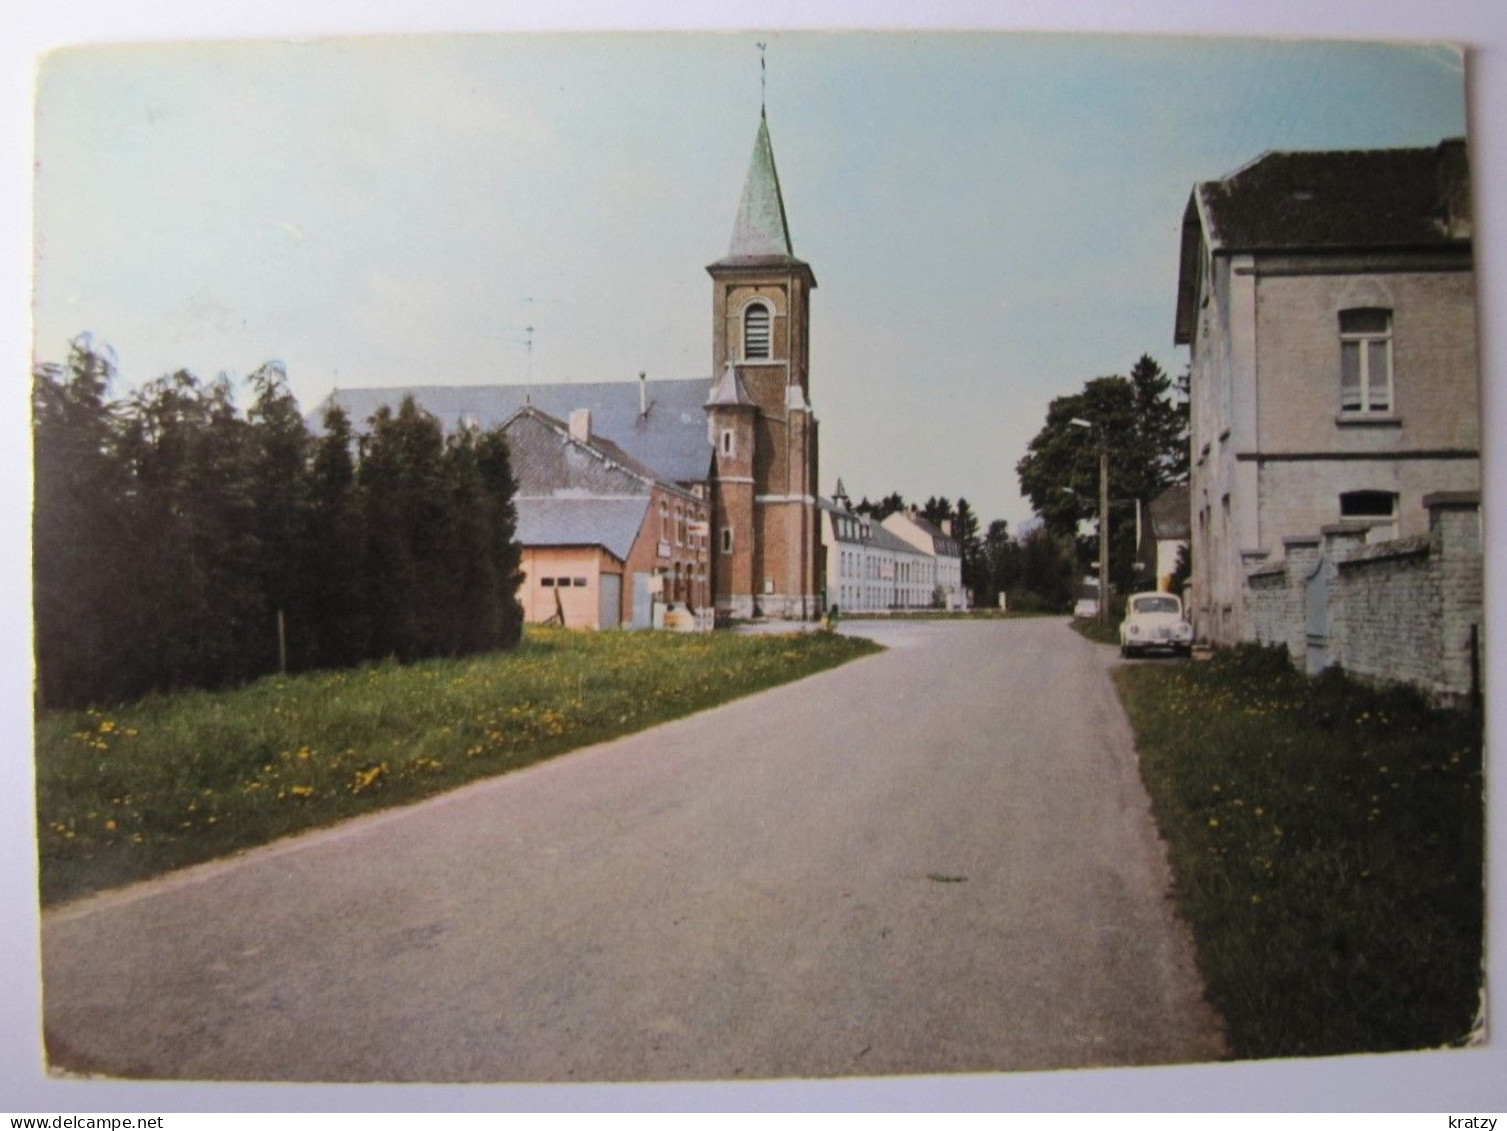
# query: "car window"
1157,605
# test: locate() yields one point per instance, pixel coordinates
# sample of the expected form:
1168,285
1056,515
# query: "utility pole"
1103,531
1098,433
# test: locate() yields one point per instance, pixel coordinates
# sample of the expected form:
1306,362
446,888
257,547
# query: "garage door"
612,600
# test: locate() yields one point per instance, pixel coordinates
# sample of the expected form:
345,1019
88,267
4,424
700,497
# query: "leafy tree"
1145,431
1000,555
1046,572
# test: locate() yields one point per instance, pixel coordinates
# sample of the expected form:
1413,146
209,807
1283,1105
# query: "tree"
335,624
499,488
1145,431
170,530
404,508
1000,562
83,536
893,503
937,511
965,529
279,484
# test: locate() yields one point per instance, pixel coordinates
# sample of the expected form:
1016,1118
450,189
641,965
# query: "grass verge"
1100,633
176,779
1327,845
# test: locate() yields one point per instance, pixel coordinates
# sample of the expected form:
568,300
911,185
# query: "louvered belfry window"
756,331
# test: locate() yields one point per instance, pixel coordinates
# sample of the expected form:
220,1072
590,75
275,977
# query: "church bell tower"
767,534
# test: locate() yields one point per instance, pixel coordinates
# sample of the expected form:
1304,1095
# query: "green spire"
760,229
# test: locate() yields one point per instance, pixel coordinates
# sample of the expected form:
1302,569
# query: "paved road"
939,859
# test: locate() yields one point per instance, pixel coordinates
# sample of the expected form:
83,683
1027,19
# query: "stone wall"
1402,611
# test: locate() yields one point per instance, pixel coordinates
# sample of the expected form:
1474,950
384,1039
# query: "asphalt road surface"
939,859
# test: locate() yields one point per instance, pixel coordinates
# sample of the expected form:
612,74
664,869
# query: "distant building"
1328,302
738,449
1165,534
944,571
604,537
869,569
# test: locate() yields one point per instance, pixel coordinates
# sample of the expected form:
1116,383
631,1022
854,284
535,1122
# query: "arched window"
756,331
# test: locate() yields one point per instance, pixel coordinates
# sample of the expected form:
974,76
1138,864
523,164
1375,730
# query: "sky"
1071,258
993,219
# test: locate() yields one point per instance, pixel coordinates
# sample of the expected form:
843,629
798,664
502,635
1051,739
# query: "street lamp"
1103,515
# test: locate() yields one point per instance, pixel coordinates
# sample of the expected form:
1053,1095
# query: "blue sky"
992,218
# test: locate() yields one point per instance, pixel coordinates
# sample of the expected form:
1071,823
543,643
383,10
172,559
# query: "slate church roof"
670,437
761,235
573,492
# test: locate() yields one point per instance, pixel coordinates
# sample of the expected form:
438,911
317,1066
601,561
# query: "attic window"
756,331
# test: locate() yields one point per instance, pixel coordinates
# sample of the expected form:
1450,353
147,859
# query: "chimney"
580,424
947,527
1453,171
643,395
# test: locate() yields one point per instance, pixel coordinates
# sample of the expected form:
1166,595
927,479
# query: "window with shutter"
756,332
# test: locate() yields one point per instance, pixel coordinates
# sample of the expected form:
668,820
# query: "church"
715,477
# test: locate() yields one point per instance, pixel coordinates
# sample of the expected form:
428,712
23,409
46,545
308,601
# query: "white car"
1155,620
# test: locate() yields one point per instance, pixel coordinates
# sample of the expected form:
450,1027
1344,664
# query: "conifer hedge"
172,534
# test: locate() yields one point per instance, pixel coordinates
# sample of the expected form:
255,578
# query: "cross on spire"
761,47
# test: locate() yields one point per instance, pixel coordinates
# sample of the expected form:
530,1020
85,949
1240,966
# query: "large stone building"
743,442
1328,302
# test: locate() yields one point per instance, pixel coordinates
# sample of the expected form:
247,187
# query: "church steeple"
759,415
761,231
